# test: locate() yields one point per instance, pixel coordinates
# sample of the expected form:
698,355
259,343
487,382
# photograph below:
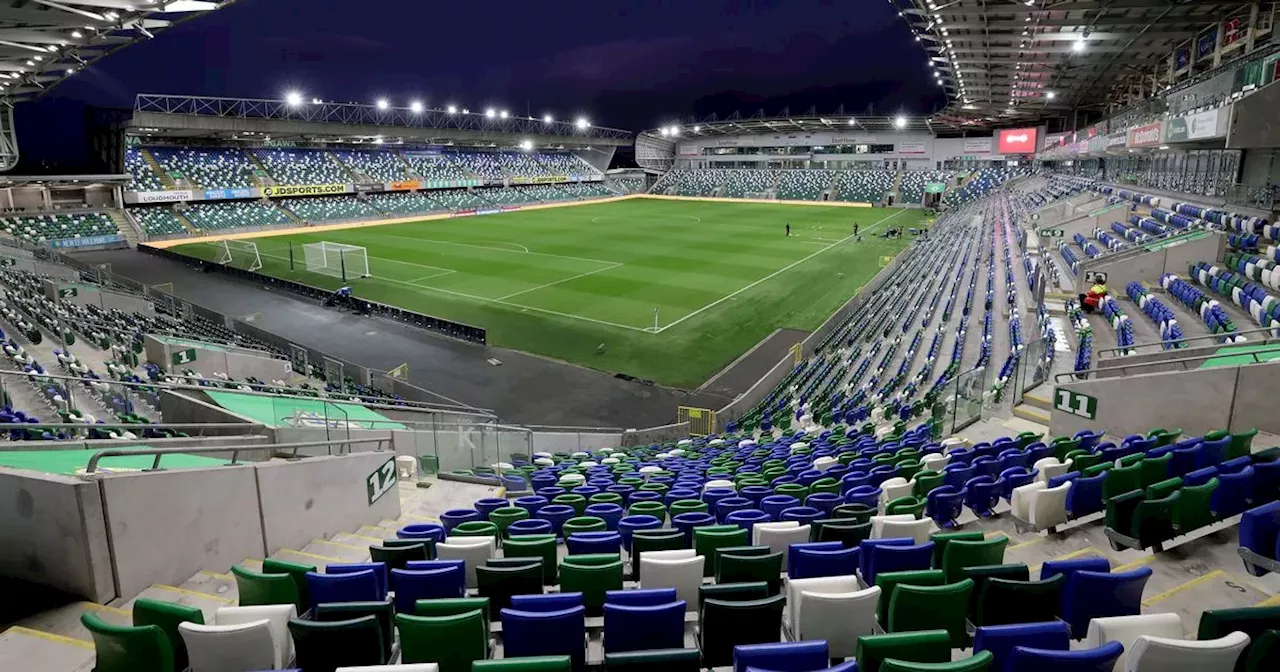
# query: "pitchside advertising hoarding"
281,190
1017,141
1145,136
222,194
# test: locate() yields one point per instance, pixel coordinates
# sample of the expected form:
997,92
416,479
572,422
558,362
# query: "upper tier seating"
382,165
439,166
141,176
329,208
53,226
563,163
481,164
214,215
209,168
303,166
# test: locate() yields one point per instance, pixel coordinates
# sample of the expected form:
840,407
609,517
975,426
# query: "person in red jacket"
1092,300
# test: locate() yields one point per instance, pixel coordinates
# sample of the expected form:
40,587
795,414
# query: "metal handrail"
1183,361
1196,339
234,450
408,405
5,426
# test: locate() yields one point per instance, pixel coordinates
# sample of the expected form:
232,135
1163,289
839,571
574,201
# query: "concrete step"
22,648
208,603
377,531
65,620
1031,413
353,539
1033,398
306,557
336,549
1018,424
213,583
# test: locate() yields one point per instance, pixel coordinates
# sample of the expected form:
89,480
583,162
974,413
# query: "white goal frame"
337,260
227,249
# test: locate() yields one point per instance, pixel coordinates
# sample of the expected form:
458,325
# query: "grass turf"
560,282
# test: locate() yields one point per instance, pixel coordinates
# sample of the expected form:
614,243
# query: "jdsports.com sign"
1145,136
1017,141
304,190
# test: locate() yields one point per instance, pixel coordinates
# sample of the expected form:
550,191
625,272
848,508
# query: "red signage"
1145,136
1018,141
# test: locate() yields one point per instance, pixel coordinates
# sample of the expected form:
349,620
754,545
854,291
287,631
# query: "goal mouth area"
338,260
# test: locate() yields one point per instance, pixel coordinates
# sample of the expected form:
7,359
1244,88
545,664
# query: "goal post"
338,260
242,254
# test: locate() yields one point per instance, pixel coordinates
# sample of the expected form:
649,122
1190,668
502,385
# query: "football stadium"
403,385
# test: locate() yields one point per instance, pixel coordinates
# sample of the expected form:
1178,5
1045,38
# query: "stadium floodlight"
526,145
675,131
546,119
490,113
383,104
899,121
293,98
1050,95
503,114
71,71
452,109
416,106
697,129
1078,46
852,121
77,34
664,131
582,123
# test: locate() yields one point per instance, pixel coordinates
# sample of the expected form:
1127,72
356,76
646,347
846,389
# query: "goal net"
240,254
337,259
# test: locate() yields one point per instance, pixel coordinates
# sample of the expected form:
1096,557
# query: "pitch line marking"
551,284
413,284
773,274
491,249
433,275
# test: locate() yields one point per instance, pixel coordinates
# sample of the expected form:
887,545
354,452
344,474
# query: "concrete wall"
166,526
53,532
311,498
571,441
1196,401
193,406
1150,266
663,434
238,363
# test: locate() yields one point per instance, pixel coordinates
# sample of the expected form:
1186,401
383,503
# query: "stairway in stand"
125,224
158,169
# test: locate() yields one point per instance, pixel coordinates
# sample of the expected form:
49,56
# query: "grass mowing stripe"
677,256
775,273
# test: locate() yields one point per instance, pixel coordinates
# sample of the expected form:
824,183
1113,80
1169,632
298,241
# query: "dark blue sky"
630,64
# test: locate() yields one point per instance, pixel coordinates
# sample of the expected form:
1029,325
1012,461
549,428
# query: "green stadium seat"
453,642
941,607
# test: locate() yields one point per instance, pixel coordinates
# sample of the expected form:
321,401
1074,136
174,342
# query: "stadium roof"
809,122
297,119
1005,62
42,42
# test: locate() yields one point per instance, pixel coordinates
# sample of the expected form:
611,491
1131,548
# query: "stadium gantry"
989,389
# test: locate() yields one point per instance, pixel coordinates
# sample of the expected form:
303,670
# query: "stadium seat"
781,657
529,633
1088,595
453,642
725,624
591,579
925,646
1099,659
942,607
636,627
1007,602
961,553
325,645
680,569
1000,640
1162,654
239,646
836,612
1127,630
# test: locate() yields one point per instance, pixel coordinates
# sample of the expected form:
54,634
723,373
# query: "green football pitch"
562,282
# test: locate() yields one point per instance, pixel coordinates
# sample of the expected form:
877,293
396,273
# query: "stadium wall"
1148,267
1197,401
53,532
922,151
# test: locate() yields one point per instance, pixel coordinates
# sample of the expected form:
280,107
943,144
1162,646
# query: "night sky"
631,64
